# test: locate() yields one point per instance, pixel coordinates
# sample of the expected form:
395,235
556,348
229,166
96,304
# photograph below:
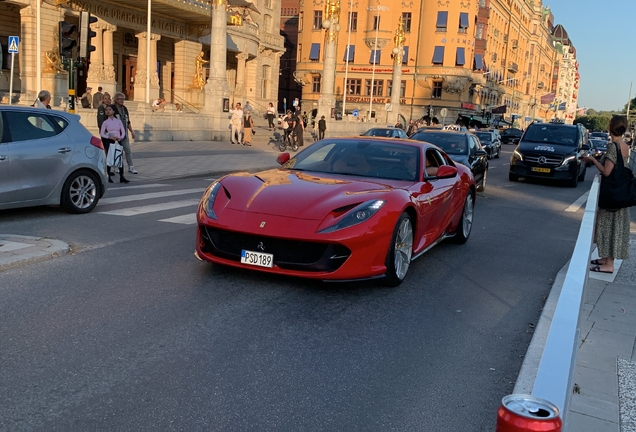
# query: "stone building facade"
468,56
182,50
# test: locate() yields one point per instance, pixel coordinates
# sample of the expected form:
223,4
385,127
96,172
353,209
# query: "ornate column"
326,101
140,76
239,90
109,83
217,87
96,68
396,87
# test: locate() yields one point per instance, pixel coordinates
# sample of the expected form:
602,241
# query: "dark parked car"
551,151
463,148
598,147
388,132
601,135
511,136
49,158
490,142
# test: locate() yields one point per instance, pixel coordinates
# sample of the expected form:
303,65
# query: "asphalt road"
131,332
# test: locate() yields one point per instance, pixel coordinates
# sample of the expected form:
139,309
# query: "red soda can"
525,413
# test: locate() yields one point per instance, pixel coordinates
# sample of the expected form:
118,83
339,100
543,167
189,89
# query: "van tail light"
97,142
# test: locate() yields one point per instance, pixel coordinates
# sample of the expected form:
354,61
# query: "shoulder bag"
618,190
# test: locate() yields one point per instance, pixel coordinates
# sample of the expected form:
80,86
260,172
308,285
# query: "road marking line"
576,205
134,211
489,168
151,195
121,188
188,219
506,164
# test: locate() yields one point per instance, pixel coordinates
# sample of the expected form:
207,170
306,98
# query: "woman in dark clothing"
298,130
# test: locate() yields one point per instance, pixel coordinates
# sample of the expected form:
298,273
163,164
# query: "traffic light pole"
71,86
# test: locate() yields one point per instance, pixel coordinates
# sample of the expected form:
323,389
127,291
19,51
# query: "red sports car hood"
300,194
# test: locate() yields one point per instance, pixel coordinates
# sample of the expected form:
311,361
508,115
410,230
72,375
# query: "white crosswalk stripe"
187,219
143,186
134,211
149,195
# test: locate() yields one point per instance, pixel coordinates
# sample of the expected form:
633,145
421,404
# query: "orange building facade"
468,56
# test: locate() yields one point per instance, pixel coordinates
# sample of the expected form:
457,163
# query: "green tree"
591,112
594,122
632,106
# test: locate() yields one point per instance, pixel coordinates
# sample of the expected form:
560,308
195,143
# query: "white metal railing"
554,379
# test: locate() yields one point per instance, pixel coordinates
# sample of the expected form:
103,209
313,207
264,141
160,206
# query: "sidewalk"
606,365
180,159
604,393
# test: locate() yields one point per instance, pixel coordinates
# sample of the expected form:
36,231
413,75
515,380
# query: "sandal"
597,269
597,262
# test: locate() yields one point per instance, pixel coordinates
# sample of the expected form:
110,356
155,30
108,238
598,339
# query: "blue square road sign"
14,42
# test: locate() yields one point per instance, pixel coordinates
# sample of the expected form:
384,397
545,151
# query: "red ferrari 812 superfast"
341,209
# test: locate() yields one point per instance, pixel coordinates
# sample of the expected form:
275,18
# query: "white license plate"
257,258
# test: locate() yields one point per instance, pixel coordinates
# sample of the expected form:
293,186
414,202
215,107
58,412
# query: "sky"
602,33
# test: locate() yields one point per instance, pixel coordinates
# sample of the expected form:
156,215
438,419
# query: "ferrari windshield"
366,158
451,143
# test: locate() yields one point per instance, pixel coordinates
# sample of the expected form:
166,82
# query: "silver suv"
48,157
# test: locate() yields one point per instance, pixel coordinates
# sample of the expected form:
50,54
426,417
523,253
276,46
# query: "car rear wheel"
465,225
398,259
80,192
574,181
482,185
513,177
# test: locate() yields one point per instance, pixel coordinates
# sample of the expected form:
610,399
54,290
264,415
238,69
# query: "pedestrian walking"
87,98
97,98
271,113
322,127
248,129
101,110
612,226
43,100
121,112
112,131
248,107
298,129
236,123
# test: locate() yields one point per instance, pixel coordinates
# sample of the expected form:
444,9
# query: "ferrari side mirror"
282,158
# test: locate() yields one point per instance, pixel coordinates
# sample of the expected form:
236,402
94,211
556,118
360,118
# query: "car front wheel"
80,192
482,185
398,259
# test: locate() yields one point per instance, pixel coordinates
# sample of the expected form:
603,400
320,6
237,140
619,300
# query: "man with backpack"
87,98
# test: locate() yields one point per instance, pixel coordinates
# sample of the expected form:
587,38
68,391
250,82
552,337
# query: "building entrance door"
128,73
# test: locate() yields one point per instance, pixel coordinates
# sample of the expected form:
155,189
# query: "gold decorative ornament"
53,60
399,40
199,79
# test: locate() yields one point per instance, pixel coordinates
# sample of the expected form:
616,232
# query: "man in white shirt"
236,122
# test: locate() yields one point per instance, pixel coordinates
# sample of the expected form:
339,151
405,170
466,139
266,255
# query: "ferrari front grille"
288,254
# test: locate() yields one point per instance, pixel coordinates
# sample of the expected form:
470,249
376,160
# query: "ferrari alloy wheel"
400,252
465,225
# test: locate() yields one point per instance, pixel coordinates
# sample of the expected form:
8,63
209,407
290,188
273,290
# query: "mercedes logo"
261,247
542,160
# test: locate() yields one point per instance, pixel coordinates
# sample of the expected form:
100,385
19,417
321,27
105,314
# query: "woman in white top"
271,113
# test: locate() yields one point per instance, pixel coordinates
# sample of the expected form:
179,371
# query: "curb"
46,250
528,372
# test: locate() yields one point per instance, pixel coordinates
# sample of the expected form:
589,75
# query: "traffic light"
67,39
86,34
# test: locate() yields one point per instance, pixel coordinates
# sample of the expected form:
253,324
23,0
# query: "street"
130,331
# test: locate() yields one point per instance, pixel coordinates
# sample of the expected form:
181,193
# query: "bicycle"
285,140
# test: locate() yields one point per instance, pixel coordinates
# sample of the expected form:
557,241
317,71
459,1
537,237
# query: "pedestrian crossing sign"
14,41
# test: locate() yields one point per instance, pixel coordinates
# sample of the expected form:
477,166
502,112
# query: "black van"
551,151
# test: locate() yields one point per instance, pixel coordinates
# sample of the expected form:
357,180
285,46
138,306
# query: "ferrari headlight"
208,199
356,215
